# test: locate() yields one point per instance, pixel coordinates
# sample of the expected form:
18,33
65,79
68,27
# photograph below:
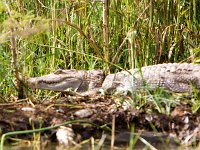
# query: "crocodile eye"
59,71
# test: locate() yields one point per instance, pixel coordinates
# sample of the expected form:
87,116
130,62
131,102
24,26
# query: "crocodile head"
62,80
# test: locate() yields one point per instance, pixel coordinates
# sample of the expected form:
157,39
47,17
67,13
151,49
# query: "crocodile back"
173,76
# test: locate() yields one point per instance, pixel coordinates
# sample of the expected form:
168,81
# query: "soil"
180,127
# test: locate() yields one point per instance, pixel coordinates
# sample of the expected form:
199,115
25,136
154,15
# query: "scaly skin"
62,80
174,77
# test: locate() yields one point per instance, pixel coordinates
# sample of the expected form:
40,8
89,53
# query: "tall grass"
165,31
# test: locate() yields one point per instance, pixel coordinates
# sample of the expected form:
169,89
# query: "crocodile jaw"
62,80
55,81
62,85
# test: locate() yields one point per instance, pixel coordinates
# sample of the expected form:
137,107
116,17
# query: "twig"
113,133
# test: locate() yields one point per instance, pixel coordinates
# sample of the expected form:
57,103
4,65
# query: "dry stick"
92,143
106,31
118,51
7,7
92,39
2,98
53,22
14,103
91,42
14,64
120,47
113,133
14,57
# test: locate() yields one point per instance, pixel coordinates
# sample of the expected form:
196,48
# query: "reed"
72,35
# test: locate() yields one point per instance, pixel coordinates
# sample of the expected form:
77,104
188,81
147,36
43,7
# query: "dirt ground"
181,125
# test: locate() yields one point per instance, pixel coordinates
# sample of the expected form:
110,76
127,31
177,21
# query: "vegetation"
41,36
85,34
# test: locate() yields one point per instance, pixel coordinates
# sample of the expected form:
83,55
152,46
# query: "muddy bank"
99,112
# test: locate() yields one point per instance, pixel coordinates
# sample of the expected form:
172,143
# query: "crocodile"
175,77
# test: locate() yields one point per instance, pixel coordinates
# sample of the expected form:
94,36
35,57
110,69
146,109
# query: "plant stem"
106,31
